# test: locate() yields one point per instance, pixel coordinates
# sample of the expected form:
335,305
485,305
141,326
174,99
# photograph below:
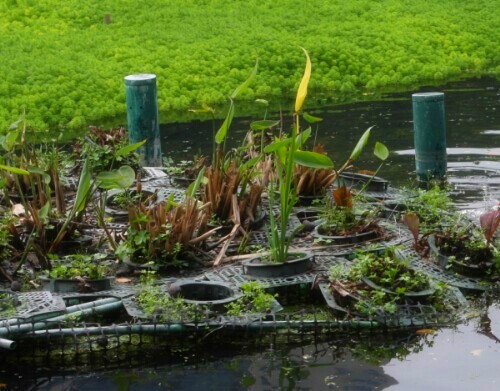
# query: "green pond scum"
63,63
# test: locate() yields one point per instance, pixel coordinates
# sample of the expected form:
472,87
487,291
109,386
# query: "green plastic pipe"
73,312
143,118
179,328
430,135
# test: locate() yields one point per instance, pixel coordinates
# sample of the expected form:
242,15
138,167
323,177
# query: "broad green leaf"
15,125
84,187
312,159
361,144
278,144
39,171
245,84
264,124
311,118
9,140
193,187
222,132
381,151
129,148
14,170
302,137
122,178
302,91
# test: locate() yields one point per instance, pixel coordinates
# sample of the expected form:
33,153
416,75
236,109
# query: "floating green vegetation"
64,63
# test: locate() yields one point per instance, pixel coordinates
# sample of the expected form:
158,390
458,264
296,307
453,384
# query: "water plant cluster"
63,64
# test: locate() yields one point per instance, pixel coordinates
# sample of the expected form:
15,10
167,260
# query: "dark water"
463,358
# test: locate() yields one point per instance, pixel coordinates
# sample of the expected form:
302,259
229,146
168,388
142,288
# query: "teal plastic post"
142,116
430,135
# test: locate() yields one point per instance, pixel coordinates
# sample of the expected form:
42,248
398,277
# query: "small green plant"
390,276
255,300
157,303
80,265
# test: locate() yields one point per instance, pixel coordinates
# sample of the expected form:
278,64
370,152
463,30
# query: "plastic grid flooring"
36,306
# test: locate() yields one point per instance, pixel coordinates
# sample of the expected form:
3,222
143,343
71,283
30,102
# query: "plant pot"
61,285
465,269
307,200
320,232
214,294
69,245
352,179
180,181
412,296
114,210
301,262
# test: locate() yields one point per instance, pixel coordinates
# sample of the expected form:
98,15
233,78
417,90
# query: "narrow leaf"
311,118
381,151
312,159
193,187
14,170
264,124
245,84
44,211
222,132
361,144
84,186
129,148
302,91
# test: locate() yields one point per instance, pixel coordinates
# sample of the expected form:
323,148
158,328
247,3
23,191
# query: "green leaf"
222,132
9,140
311,118
312,159
44,211
278,144
302,137
264,124
14,170
193,187
15,125
122,178
84,187
129,148
381,151
249,164
39,171
245,84
262,102
361,144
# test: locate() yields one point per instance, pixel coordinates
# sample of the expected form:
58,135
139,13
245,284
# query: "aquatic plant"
65,64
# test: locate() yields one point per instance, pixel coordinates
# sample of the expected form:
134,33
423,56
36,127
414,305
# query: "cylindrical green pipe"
27,327
430,135
178,328
142,116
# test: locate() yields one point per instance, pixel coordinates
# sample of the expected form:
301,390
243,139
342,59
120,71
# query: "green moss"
65,66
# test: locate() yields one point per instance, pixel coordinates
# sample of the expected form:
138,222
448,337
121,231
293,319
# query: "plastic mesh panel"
38,305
